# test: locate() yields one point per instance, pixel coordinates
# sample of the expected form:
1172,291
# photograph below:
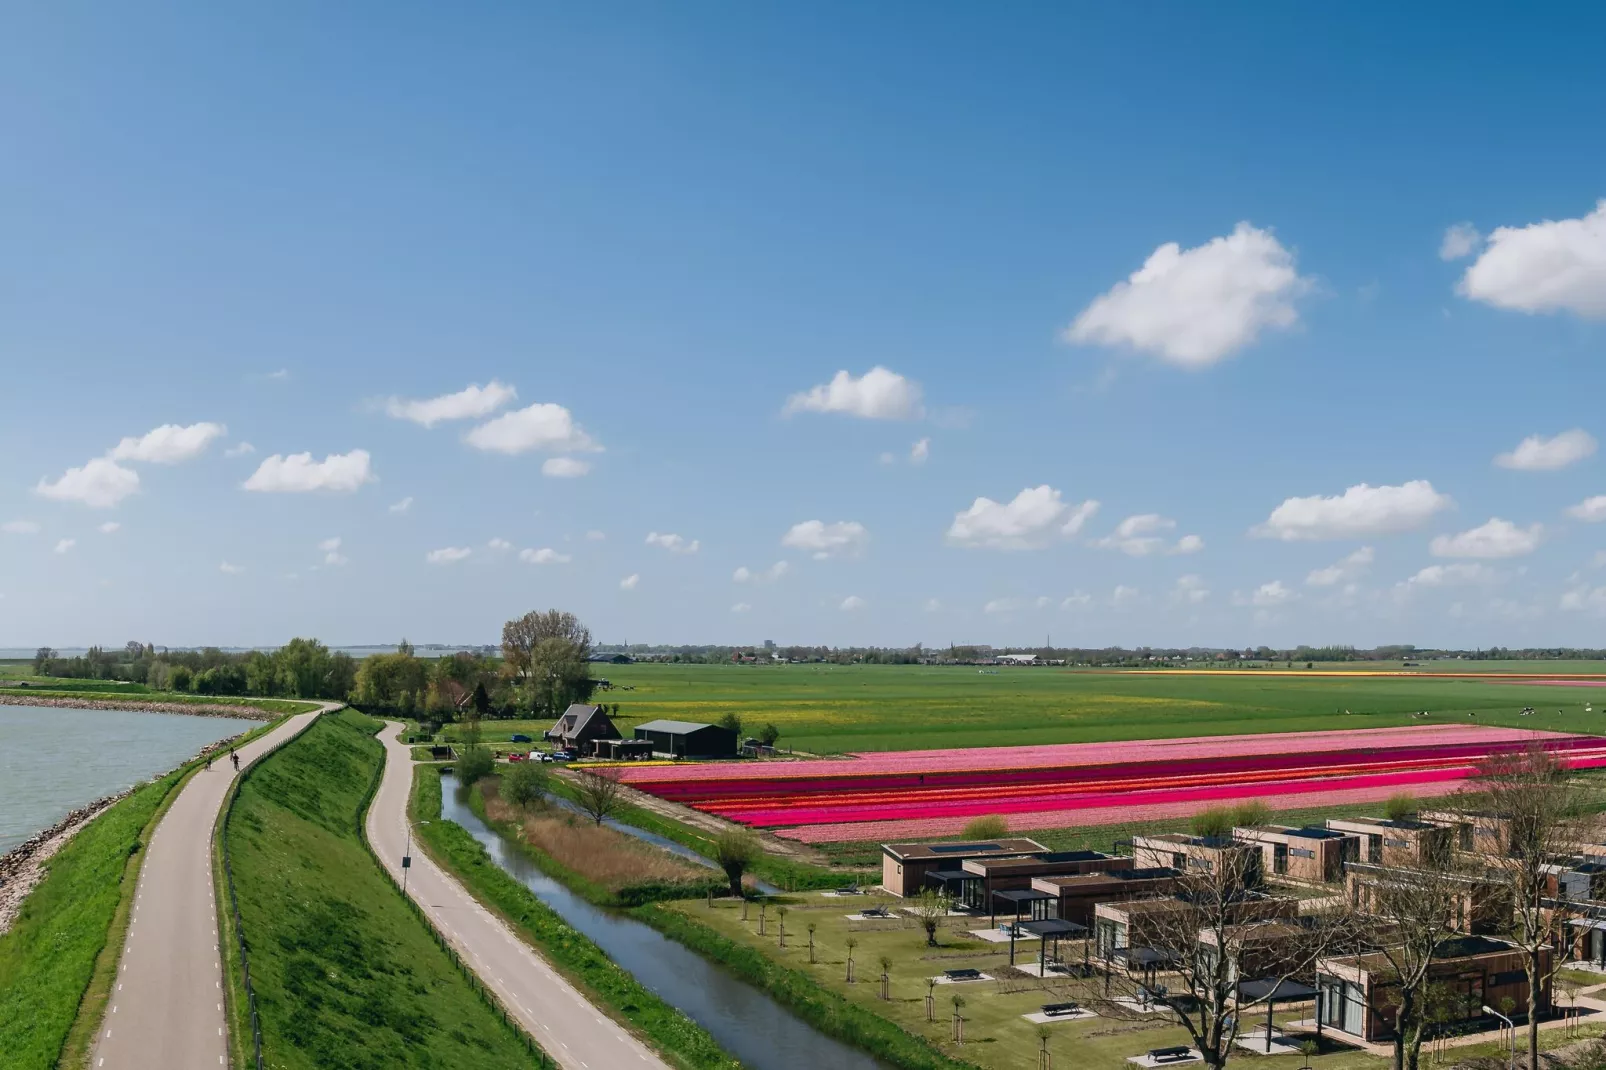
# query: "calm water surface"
55,759
746,1022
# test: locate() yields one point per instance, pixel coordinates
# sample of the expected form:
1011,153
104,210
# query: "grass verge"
345,974
681,1041
135,699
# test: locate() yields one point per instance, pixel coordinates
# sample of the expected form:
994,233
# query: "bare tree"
597,795
929,908
1526,811
1210,936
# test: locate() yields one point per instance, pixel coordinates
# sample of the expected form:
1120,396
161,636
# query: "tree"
597,795
473,763
768,735
735,851
929,908
546,653
731,721
1250,813
481,701
1528,811
1216,821
42,659
1401,807
524,784
986,827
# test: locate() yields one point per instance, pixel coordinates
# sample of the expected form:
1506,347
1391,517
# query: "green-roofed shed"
688,739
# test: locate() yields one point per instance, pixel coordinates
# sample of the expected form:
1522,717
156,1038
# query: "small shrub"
1216,821
986,827
524,784
1401,807
474,763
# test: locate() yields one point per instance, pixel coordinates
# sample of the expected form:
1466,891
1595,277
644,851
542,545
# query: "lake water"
55,759
746,1022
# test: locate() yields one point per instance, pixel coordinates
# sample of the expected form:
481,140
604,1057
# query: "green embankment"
681,1041
346,975
133,696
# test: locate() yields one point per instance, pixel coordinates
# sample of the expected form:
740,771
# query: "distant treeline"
1102,656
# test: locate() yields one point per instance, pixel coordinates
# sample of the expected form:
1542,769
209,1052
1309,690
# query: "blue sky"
1196,266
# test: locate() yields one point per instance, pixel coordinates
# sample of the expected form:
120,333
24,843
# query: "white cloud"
447,555
1347,568
1138,536
1195,307
281,375
168,444
1005,605
1450,576
543,426
63,545
544,556
878,394
109,527
920,451
851,603
331,552
330,544
1497,538
403,505
1188,544
844,538
1460,240
1190,589
933,605
1590,510
740,607
595,536
99,484
630,581
564,467
499,545
888,458
1539,454
1076,600
675,544
1556,265
20,527
469,403
1361,511
1028,522
240,449
232,570
1272,594
769,575
1124,596
1585,599
299,473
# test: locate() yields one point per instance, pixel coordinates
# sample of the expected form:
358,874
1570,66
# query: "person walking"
235,758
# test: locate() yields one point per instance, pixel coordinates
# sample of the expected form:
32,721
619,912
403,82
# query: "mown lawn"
346,975
831,709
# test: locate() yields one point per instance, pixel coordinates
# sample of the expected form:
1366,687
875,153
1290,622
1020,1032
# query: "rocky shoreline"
193,709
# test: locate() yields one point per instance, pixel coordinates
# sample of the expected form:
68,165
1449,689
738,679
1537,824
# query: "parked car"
517,738
562,756
515,757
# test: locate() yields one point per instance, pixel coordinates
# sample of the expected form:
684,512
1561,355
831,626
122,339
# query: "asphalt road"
166,1009
572,1031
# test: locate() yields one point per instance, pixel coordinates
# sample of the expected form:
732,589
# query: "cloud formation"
331,552
675,544
920,451
63,545
99,484
20,527
1350,567
544,556
1272,594
1590,510
447,555
564,467
230,570
109,527
1029,521
1551,266
1495,539
629,582
1195,307
338,473
1450,576
844,538
1460,240
878,394
1139,536
769,575
543,426
168,444
1539,454
852,602
403,505
1360,512
469,403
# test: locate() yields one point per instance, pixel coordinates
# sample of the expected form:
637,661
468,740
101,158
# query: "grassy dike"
681,1041
346,975
58,961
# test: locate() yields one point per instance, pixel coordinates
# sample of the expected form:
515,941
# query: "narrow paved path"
571,1030
166,1008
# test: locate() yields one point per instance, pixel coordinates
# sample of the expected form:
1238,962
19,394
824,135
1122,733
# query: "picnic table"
962,975
1175,1053
1056,1010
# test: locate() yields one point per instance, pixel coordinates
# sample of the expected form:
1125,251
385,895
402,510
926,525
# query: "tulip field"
926,793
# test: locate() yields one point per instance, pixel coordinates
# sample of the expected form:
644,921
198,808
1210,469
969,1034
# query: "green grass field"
829,709
345,974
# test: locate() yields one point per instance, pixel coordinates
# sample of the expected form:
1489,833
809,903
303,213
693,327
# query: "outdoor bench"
1172,1054
1054,1010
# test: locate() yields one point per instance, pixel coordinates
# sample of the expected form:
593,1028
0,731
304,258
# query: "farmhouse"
1397,843
906,866
688,739
580,728
1474,971
1236,862
1304,855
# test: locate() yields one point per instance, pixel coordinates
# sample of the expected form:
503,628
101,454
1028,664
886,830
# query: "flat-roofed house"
1302,855
1143,923
1482,906
1276,947
989,876
1077,894
1359,995
1481,833
1397,843
1195,855
905,866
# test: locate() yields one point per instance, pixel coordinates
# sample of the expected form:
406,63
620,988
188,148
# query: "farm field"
919,794
837,709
